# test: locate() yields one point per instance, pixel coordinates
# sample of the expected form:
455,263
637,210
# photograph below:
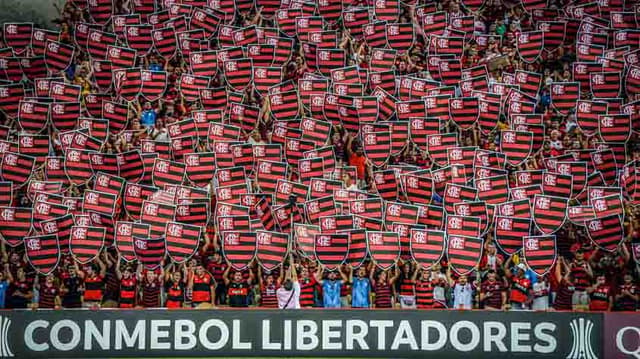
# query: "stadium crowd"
582,273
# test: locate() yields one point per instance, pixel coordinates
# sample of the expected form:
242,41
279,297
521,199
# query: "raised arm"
118,271
103,267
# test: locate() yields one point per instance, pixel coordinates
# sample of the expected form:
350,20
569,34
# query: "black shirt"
238,294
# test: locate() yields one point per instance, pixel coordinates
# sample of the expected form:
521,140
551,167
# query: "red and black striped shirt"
268,296
383,295
407,287
424,294
564,297
48,296
151,294
306,292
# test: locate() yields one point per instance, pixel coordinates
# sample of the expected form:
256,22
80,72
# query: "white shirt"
284,295
462,296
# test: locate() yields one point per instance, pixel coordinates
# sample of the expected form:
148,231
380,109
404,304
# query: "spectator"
238,288
203,286
331,286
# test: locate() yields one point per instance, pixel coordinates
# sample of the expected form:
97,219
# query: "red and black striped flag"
357,248
43,253
331,250
614,128
10,97
6,194
632,80
86,243
60,226
516,145
398,212
588,113
15,224
58,56
77,166
400,36
387,10
539,253
327,59
200,168
384,248
182,241
117,114
139,38
64,92
529,45
377,147
121,57
437,146
464,111
417,188
103,76
154,84
564,96
99,202
100,10
549,213
509,231
39,39
17,168
420,128
605,84
607,205
157,215
130,165
167,172
65,115
98,41
149,251
557,185
272,249
606,232
127,83
434,23
35,146
33,115
239,248
493,190
427,246
553,33
124,233
18,36
165,42
463,226
238,73
464,253
204,20
457,193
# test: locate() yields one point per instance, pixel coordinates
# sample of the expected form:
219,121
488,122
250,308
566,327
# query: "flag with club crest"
605,84
33,115
516,145
607,205
494,189
99,202
64,116
489,113
456,193
238,73
529,45
17,168
272,249
464,111
157,215
320,207
632,79
149,251
549,213
167,172
384,248
305,238
509,231
182,241
85,243
606,232
564,96
98,41
331,250
165,42
6,193
58,56
239,248
420,128
557,185
463,225
154,84
464,253
578,171
327,59
35,146
377,147
427,246
540,253
417,188
124,233
614,128
15,224
18,36
43,252
398,212
604,161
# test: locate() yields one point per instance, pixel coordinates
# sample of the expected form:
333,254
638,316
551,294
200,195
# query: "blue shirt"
148,118
4,285
155,67
360,293
331,293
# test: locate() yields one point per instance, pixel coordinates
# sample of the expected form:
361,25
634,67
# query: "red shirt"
520,290
600,298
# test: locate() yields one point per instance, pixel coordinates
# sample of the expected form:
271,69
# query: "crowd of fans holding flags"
339,154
